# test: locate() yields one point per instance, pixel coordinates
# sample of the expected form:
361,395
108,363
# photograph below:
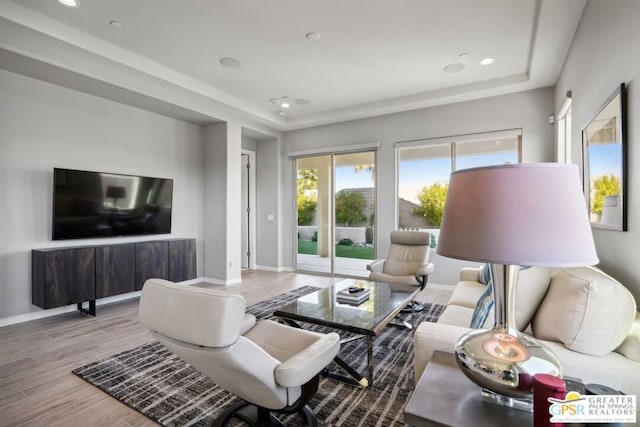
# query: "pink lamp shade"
530,214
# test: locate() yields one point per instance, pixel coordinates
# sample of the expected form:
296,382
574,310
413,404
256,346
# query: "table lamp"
116,192
511,216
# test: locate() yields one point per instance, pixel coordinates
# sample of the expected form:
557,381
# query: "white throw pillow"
586,310
531,288
630,347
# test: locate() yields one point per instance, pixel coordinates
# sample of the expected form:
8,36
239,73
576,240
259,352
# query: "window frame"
451,141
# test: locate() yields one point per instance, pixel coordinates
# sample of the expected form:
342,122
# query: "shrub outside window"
424,168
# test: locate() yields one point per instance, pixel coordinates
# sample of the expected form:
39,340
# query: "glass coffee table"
366,320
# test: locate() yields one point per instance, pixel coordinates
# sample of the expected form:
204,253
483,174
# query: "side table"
445,397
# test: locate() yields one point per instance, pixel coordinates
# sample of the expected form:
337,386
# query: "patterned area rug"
158,384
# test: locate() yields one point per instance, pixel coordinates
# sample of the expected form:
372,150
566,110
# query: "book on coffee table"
353,295
352,302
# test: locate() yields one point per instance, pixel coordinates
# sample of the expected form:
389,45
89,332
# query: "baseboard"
35,315
220,282
192,281
274,269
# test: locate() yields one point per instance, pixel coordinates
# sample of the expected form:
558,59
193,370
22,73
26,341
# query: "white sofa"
586,317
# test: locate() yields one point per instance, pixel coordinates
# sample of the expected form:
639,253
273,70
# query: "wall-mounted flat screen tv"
97,204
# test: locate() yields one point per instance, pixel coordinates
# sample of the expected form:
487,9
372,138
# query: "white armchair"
406,262
272,367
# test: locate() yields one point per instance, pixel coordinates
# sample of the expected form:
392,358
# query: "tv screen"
97,204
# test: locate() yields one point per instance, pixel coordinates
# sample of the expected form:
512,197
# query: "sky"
414,174
346,178
605,159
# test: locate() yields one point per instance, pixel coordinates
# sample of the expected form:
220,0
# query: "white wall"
269,218
222,206
43,126
527,110
606,52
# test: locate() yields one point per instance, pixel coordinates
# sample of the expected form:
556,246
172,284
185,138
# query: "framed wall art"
604,150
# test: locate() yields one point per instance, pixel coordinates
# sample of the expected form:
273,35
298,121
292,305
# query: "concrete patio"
352,267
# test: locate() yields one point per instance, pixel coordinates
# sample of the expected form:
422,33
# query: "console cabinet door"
115,270
63,276
152,260
182,260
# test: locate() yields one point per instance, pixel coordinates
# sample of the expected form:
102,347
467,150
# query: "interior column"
222,203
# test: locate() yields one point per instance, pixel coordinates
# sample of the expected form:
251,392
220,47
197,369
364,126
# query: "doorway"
336,206
247,252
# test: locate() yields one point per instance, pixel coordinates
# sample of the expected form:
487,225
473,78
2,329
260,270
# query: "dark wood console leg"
91,310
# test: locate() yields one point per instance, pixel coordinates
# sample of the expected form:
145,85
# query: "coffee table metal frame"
329,316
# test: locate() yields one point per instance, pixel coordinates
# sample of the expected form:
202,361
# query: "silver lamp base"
523,404
504,361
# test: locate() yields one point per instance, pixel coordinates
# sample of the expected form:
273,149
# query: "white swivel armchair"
406,262
272,367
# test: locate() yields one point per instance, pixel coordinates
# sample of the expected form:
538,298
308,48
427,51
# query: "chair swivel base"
259,417
412,307
417,307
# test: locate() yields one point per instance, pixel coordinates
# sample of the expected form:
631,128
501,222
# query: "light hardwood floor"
37,387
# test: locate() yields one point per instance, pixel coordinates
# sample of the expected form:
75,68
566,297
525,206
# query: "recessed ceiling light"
285,104
302,101
115,24
70,3
487,61
463,55
281,113
456,67
312,36
274,101
229,62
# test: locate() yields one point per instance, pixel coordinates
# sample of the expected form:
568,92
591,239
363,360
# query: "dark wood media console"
75,275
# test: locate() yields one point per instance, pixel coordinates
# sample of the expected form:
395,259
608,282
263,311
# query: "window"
424,167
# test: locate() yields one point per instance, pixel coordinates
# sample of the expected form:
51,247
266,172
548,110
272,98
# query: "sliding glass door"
315,218
335,213
355,207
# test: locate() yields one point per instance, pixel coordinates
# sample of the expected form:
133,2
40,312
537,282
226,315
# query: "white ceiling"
373,56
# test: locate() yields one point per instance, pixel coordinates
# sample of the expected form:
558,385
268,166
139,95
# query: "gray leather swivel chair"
406,262
272,367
